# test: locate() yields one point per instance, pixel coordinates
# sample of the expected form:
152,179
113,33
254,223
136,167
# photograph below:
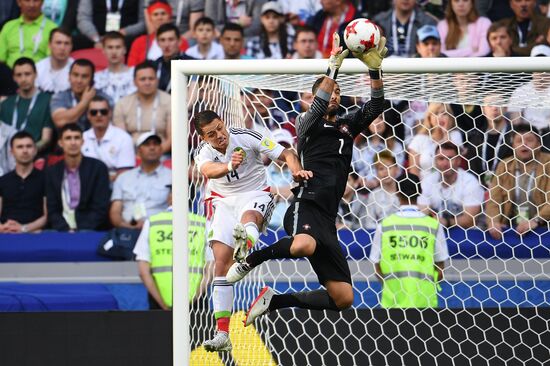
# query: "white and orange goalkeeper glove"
374,56
337,56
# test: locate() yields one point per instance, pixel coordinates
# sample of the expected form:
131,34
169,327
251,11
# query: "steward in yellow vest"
409,251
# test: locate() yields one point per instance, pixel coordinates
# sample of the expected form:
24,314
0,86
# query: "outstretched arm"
291,159
318,108
375,106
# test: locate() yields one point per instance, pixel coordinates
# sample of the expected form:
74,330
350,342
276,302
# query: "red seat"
93,54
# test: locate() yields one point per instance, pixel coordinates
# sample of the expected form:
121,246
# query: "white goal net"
491,195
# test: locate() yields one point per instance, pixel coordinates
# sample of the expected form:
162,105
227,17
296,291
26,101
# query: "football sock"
222,297
314,300
252,233
279,250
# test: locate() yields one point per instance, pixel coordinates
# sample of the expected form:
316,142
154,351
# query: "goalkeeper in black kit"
325,144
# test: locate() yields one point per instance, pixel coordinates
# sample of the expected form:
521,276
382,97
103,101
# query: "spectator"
544,9
324,24
279,178
379,137
400,25
8,85
464,32
520,189
297,12
409,252
437,128
77,187
206,48
266,116
186,14
70,106
105,142
528,27
8,11
29,109
143,191
32,27
146,47
351,206
53,71
232,42
94,19
499,36
168,38
382,201
534,90
62,13
22,191
246,13
7,162
305,43
274,41
428,42
116,80
450,192
146,110
489,144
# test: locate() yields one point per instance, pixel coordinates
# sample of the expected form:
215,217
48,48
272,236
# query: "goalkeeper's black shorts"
328,260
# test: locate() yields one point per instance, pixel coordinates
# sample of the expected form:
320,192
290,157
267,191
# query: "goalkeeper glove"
373,57
336,57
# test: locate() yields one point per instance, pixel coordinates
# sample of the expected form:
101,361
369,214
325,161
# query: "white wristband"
230,167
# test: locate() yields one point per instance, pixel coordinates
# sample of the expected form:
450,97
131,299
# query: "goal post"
404,79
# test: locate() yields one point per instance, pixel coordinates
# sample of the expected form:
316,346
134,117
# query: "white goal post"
398,73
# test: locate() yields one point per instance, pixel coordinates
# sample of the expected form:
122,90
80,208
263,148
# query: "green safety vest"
160,244
407,262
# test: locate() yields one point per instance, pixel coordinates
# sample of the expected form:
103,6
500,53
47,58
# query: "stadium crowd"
85,132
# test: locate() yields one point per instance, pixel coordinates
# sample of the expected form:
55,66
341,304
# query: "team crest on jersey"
345,130
268,143
241,150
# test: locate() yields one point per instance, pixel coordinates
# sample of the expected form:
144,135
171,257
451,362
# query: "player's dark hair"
408,187
61,30
204,21
112,35
316,85
233,27
168,27
24,61
70,127
84,63
20,135
203,118
145,65
447,146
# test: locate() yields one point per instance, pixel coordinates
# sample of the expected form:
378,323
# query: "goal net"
493,305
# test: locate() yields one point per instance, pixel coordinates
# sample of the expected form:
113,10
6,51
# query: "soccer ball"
361,35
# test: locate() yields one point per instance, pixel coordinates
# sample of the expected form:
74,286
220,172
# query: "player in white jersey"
241,200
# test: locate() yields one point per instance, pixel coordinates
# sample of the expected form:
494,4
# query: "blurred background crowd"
85,113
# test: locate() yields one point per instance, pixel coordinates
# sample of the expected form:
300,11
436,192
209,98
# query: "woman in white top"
437,128
463,32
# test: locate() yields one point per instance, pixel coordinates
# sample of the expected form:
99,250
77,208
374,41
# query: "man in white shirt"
450,191
105,142
242,203
117,80
53,71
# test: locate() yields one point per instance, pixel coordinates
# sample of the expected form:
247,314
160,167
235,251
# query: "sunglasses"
102,112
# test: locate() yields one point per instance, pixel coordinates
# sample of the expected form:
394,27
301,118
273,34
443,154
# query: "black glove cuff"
375,74
333,74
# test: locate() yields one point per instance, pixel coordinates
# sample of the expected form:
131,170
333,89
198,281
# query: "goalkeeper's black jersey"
326,149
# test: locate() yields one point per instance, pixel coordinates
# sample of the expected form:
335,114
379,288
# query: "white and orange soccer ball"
361,35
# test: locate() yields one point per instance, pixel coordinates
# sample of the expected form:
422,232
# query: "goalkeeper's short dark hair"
408,187
317,84
203,118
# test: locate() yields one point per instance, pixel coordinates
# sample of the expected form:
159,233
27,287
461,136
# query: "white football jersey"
251,174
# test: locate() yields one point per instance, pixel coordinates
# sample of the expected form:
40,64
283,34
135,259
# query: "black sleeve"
362,118
95,216
53,202
306,120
